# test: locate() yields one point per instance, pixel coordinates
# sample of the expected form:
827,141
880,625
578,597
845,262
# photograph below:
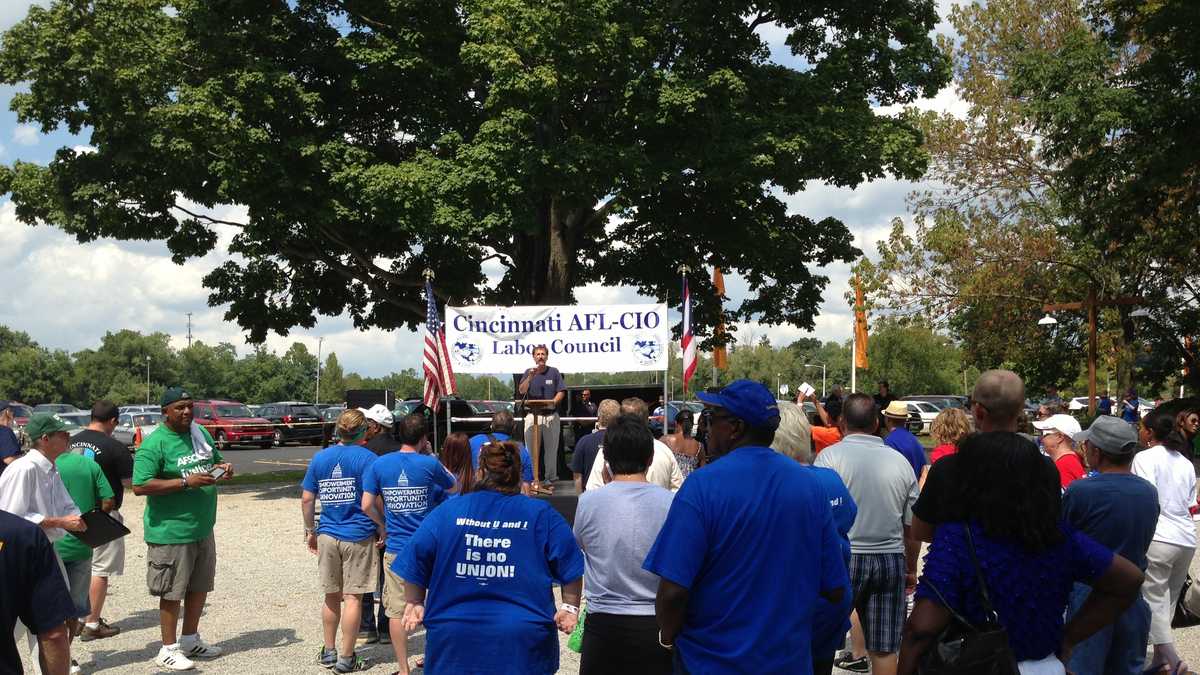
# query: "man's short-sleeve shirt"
409,485
33,589
752,504
884,488
585,454
179,517
9,445
544,386
114,459
903,441
1119,510
336,475
478,440
87,485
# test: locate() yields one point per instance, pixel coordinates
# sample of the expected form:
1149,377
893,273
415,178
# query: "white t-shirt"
664,469
1175,478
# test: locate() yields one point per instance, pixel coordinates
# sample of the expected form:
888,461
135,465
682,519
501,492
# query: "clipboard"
101,529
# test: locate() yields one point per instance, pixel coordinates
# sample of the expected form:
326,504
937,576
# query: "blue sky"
66,295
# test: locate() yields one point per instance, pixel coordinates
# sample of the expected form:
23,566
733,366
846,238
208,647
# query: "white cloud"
12,11
25,134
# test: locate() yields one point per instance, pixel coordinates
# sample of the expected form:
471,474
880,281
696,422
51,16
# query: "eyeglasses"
710,414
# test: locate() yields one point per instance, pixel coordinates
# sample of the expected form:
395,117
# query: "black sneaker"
385,639
368,637
848,662
327,658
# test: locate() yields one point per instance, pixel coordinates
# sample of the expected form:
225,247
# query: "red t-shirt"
1070,468
941,451
823,437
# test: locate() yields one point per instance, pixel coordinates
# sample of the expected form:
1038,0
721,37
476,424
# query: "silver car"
129,424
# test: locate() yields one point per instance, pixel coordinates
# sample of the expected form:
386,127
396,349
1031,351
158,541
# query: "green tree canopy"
371,140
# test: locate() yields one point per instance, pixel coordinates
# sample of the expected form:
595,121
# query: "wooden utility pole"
1092,305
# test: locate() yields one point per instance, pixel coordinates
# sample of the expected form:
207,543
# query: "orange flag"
860,327
720,357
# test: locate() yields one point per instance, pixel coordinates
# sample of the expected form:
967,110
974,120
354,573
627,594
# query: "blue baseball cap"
748,401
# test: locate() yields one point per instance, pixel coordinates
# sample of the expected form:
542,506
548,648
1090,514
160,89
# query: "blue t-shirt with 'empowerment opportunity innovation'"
752,538
335,475
488,561
410,485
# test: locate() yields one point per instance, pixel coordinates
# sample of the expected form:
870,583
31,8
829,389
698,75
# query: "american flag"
439,376
689,341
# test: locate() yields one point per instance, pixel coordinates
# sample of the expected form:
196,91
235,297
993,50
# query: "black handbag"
966,649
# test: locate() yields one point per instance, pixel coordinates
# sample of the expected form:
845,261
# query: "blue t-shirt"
411,485
543,387
1129,412
1029,591
908,445
753,540
488,561
9,445
335,475
34,592
1105,406
1119,510
831,621
477,442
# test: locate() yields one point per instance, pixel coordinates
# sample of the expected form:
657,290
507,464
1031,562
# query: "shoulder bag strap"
983,592
941,598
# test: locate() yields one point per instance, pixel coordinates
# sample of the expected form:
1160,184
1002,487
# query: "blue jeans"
79,582
1116,649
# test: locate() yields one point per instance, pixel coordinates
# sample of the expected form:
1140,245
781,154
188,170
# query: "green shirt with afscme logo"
179,517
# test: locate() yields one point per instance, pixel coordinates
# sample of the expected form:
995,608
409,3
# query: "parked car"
231,423
21,413
293,421
330,417
76,420
55,408
136,426
924,410
140,408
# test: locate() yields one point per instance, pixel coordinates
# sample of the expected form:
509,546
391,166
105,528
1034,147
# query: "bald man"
998,399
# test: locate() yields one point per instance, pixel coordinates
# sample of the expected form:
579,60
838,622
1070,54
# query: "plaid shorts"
878,583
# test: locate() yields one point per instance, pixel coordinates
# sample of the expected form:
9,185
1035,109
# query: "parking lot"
249,459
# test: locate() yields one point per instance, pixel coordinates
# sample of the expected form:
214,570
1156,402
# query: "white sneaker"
75,669
173,659
198,648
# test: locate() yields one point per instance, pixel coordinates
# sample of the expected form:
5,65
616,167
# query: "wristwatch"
571,609
183,483
663,644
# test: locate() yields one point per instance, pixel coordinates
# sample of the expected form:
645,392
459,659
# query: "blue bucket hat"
748,401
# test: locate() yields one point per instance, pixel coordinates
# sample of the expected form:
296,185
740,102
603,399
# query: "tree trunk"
546,259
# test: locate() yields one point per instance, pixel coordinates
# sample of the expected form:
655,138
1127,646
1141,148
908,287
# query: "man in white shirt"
664,468
31,488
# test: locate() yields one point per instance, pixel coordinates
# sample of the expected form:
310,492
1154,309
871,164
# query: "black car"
293,421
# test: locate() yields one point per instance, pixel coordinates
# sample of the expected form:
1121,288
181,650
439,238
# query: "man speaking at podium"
544,383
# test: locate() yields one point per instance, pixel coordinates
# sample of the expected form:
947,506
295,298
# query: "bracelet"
308,531
663,644
569,608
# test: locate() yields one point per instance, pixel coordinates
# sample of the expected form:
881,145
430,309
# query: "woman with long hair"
686,449
489,560
948,428
456,457
1028,558
1165,463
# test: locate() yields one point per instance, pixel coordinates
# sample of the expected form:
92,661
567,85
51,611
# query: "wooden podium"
537,408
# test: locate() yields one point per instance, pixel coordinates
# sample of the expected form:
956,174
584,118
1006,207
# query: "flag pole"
428,274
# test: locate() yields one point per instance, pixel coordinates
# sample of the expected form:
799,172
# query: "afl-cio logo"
466,353
646,349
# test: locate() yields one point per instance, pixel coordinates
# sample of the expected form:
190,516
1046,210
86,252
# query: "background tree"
369,141
333,380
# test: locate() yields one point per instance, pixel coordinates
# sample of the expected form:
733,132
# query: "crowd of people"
757,548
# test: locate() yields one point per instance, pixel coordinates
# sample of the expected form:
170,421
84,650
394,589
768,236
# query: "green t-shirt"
87,485
179,517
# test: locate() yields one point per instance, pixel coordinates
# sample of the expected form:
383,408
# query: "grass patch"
293,476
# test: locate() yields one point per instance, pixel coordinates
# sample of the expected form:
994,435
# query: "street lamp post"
822,367
317,396
147,379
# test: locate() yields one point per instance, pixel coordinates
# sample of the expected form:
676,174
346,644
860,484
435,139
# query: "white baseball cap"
1063,424
380,414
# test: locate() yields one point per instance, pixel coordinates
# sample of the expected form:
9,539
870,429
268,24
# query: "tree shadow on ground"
146,618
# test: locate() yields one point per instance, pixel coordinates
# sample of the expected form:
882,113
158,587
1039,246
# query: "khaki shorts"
393,589
174,570
109,560
347,566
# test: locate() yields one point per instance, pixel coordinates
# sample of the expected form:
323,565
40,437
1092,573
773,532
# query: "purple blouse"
1028,591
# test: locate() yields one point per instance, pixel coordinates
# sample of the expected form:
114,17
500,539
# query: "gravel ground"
265,612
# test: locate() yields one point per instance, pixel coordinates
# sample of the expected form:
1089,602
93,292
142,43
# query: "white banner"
581,338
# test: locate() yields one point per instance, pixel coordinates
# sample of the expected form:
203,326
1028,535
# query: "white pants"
1166,570
1047,666
550,428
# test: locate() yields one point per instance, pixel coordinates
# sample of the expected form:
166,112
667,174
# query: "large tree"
564,141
